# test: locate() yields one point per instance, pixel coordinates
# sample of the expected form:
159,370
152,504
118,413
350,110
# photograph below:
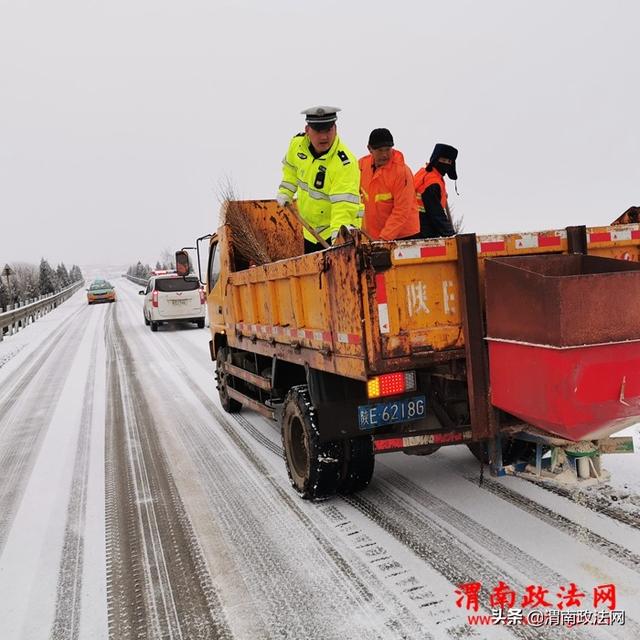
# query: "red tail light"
154,298
202,299
390,384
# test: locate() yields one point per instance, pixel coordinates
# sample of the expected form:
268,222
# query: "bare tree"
456,221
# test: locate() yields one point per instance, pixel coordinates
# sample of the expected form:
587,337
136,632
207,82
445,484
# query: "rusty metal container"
562,300
564,342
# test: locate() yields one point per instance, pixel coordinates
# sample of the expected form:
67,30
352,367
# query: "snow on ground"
80,549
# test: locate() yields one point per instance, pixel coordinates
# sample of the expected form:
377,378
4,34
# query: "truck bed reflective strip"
349,338
626,234
549,241
381,299
425,439
389,443
496,243
420,251
602,236
538,240
415,252
316,335
430,252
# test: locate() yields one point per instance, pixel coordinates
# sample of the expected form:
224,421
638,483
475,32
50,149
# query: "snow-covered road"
132,506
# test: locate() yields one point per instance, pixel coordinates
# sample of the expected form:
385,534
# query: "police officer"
431,192
324,174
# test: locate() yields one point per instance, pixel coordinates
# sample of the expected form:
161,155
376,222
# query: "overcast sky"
119,119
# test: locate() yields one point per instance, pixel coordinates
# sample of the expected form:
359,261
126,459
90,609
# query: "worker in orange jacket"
387,190
431,192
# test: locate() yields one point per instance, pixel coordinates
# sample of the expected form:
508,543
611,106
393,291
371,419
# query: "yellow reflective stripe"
383,197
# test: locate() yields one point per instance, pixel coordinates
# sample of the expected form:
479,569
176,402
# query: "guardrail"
142,281
15,319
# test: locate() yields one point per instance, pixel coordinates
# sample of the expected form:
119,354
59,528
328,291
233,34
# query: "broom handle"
307,226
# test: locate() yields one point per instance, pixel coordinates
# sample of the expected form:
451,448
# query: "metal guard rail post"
18,318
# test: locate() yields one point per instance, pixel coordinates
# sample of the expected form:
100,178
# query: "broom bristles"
246,239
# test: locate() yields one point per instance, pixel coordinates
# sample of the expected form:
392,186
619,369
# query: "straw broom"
245,239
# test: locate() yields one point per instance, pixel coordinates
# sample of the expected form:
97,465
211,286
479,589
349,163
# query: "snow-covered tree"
167,259
75,273
63,276
4,295
27,281
48,278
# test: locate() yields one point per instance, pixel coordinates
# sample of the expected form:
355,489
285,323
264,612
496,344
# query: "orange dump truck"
516,345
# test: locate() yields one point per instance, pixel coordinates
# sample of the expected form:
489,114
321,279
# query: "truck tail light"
154,298
391,384
202,299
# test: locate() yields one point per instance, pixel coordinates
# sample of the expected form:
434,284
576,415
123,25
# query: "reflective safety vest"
328,187
388,195
424,179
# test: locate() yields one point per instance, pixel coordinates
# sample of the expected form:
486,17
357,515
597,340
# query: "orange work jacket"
388,194
424,179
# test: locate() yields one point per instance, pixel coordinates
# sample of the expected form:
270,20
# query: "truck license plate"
371,416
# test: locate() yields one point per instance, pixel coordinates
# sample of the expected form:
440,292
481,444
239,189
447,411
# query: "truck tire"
154,325
200,323
358,465
230,405
314,467
146,321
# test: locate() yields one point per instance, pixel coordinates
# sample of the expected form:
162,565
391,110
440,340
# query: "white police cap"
321,115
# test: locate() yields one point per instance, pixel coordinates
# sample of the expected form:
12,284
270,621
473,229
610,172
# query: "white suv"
172,298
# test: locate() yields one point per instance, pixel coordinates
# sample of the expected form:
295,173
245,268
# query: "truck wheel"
200,323
230,405
313,466
358,465
154,325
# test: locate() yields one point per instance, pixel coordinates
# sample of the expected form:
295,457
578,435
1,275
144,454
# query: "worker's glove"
348,227
282,199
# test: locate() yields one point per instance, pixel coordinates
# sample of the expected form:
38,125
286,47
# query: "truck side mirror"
183,266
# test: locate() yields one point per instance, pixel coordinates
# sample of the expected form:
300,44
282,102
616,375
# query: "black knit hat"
446,151
380,138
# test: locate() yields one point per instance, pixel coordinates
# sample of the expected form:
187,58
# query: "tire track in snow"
436,546
157,582
600,503
66,624
33,363
579,532
458,526
26,414
285,617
